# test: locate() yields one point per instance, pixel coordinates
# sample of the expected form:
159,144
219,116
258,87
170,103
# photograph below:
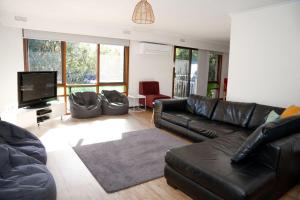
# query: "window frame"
190,66
219,75
98,84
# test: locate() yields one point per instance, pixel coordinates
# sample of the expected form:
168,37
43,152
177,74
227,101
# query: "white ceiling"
198,19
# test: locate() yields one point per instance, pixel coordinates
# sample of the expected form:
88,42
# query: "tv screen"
36,88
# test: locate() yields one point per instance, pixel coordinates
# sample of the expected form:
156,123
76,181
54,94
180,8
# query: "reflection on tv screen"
37,86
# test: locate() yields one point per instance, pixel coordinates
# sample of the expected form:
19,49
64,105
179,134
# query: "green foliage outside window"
213,67
45,55
81,63
213,85
184,54
80,89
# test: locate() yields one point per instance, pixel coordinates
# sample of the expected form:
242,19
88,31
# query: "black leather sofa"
23,171
204,170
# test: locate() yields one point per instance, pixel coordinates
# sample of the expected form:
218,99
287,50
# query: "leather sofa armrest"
283,156
162,105
289,160
268,155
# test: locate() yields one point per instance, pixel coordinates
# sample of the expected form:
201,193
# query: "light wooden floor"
73,179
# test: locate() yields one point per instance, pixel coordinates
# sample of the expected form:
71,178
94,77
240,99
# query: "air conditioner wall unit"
154,49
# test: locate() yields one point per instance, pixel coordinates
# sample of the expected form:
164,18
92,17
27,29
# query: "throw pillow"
272,116
267,133
291,111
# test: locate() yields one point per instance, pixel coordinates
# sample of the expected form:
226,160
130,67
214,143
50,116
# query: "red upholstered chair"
150,89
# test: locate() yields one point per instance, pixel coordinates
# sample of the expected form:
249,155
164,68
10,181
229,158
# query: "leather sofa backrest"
235,113
205,106
200,105
191,102
260,115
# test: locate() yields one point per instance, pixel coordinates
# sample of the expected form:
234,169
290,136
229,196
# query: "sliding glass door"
194,72
185,72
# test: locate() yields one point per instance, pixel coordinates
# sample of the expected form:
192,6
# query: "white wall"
265,56
141,34
144,67
11,61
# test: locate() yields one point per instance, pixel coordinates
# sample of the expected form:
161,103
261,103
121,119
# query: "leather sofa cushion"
191,102
208,164
267,133
179,118
201,105
260,115
211,129
205,106
233,112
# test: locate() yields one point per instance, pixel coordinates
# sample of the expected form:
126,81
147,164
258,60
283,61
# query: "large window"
80,66
45,55
111,64
81,63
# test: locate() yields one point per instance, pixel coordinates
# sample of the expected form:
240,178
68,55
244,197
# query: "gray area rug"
137,158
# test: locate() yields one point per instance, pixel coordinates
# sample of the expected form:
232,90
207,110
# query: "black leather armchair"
85,105
114,102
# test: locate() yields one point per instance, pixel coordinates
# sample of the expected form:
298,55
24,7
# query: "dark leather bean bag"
85,105
23,174
23,177
114,103
23,141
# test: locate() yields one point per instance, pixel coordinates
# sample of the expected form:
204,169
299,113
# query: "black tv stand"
40,105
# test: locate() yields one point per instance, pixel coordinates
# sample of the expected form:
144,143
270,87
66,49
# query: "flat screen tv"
35,89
